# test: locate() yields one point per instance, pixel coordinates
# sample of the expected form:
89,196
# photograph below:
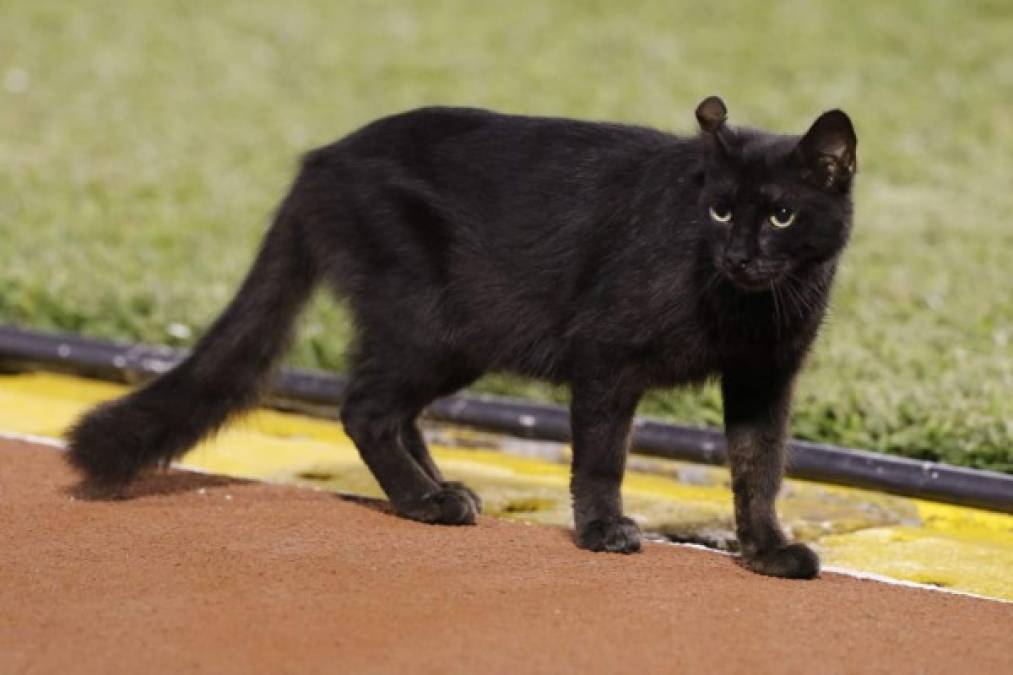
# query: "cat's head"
775,205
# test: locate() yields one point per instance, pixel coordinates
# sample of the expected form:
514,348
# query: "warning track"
205,574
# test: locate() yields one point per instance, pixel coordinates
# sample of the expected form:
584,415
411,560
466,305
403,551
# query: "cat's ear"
712,115
827,151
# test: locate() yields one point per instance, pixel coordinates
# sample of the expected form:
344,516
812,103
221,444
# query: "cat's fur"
583,253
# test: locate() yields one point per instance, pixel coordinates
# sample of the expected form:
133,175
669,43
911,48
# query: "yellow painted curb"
949,546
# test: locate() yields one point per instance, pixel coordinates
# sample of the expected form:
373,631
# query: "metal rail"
24,349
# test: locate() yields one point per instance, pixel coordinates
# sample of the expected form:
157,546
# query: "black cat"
609,257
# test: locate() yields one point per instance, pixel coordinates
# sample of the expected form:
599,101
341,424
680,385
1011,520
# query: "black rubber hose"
21,349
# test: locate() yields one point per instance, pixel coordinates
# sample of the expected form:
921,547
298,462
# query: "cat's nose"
737,260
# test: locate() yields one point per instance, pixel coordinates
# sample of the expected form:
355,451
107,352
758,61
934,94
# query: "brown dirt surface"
207,574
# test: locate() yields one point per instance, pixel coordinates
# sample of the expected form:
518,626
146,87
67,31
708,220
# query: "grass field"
143,146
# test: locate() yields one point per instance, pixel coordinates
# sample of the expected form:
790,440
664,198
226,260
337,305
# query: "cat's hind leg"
383,400
416,446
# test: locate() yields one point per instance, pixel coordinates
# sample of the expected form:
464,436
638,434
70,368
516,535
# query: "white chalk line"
857,574
32,438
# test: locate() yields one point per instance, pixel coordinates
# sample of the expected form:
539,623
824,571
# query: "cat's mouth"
755,277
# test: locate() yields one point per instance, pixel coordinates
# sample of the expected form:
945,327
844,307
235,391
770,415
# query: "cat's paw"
793,561
615,535
450,505
463,489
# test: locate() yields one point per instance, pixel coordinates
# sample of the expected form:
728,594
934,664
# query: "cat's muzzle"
753,275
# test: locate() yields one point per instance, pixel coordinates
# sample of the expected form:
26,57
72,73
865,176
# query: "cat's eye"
720,213
782,217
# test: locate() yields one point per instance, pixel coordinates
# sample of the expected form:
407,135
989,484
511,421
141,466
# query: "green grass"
143,146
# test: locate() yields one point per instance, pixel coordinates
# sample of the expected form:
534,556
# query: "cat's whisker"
713,281
795,293
777,309
808,295
792,295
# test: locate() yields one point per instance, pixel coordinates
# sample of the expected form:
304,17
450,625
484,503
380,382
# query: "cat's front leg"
757,404
601,412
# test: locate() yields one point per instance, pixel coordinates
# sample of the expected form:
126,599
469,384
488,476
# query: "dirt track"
206,574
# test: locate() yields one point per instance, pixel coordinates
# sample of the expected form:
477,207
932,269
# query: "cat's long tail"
222,376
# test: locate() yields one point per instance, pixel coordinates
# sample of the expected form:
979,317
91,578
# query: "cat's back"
470,135
419,127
